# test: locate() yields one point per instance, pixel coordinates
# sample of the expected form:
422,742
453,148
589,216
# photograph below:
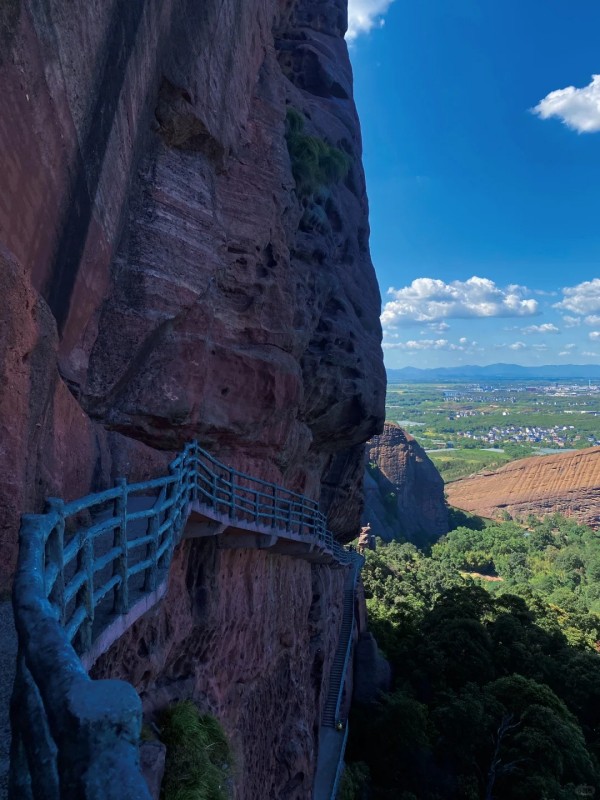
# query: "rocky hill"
169,272
568,483
404,492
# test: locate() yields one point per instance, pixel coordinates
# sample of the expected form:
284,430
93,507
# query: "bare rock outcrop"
565,483
404,492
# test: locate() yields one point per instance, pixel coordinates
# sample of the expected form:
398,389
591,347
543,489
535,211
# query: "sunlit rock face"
162,281
404,492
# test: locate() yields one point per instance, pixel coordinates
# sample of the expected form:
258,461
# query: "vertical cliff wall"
163,280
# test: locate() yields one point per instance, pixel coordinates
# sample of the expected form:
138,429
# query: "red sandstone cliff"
162,281
404,492
567,483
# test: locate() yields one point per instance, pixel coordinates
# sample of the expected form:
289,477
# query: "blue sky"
481,131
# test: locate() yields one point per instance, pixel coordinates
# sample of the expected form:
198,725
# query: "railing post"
232,493
120,541
290,513
273,521
256,507
151,578
194,471
85,596
214,491
55,554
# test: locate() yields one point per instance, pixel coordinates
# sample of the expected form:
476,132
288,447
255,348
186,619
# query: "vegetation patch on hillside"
461,462
315,163
198,762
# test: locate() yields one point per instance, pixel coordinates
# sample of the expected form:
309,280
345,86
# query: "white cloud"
439,327
594,336
546,327
364,15
517,346
589,353
568,351
430,300
571,322
430,344
592,319
581,299
578,109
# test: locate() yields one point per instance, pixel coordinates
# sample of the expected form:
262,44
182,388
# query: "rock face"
163,281
567,483
404,492
248,635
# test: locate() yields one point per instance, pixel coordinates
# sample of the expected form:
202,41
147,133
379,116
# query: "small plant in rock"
315,163
199,762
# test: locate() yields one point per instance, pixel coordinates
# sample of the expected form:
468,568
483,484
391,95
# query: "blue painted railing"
340,767
80,564
358,564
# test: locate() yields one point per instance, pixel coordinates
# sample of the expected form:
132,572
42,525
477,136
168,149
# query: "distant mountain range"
497,371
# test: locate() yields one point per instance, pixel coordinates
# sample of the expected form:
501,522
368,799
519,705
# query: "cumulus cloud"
439,327
430,344
364,15
546,327
431,300
571,322
590,353
581,299
592,319
517,346
594,336
568,350
578,109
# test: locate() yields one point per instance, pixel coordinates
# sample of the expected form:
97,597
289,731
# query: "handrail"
358,563
67,729
340,767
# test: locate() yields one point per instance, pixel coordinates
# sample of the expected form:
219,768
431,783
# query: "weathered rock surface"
152,764
181,288
248,636
162,281
404,492
567,483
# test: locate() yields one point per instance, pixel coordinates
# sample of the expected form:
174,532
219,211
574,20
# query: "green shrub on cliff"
198,761
315,163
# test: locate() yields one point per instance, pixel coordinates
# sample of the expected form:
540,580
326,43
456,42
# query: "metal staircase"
338,668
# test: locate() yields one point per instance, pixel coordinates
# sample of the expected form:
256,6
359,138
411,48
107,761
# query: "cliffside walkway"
87,571
334,730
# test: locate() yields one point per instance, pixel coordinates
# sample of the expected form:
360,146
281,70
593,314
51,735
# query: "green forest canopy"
496,682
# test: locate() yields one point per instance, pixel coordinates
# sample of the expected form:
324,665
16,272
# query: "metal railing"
358,562
340,767
81,564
